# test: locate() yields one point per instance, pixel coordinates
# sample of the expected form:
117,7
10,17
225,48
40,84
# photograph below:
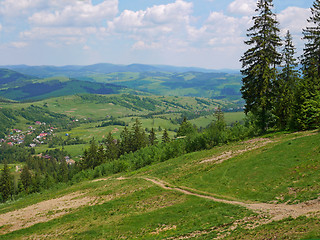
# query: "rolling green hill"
264,188
158,80
34,89
196,84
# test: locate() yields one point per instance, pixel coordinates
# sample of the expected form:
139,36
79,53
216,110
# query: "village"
17,136
34,136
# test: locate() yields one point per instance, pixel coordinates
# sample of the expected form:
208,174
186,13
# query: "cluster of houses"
17,136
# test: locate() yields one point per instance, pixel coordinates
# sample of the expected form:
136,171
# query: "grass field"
282,170
278,169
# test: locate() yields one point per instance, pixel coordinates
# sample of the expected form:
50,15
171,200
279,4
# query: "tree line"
277,93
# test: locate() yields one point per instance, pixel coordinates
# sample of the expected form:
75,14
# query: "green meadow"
284,169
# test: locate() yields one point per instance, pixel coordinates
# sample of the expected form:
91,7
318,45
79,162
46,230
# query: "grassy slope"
286,169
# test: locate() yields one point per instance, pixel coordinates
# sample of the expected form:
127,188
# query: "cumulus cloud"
294,19
59,22
243,7
153,24
76,13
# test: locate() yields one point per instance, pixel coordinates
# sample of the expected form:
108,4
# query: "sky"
193,33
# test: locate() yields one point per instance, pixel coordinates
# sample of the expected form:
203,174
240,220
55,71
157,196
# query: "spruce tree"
165,136
152,137
260,63
308,97
139,139
26,178
311,55
285,87
6,183
125,143
112,149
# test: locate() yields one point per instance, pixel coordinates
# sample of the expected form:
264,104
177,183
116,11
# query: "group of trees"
111,148
37,174
274,92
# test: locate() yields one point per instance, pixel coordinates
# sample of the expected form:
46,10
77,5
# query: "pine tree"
26,178
285,87
185,128
90,156
139,139
311,55
6,183
308,95
259,63
165,136
152,137
112,149
125,143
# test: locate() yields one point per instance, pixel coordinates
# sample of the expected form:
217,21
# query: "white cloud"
76,13
21,8
243,7
294,19
0,27
155,23
19,44
141,45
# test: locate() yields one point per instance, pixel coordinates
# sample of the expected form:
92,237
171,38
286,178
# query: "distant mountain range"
40,82
104,68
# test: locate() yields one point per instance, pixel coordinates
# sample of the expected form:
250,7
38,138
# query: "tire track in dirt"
276,211
266,212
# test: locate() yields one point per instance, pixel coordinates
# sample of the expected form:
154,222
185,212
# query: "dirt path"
249,146
276,211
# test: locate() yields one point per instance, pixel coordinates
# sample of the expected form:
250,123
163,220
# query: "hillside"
35,89
265,188
10,78
158,80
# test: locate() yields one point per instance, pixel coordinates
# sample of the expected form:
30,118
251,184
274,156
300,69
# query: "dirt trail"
249,146
276,211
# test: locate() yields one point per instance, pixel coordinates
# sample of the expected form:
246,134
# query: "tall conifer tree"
311,55
285,87
308,97
6,183
259,63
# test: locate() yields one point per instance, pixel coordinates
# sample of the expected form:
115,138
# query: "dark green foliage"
14,154
186,128
125,141
138,137
112,150
308,94
26,178
152,137
165,136
6,183
259,63
311,55
307,108
286,86
90,157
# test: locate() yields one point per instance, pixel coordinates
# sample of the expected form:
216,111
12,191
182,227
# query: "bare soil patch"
42,212
249,146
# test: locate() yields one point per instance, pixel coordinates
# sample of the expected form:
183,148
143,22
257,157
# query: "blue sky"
200,33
